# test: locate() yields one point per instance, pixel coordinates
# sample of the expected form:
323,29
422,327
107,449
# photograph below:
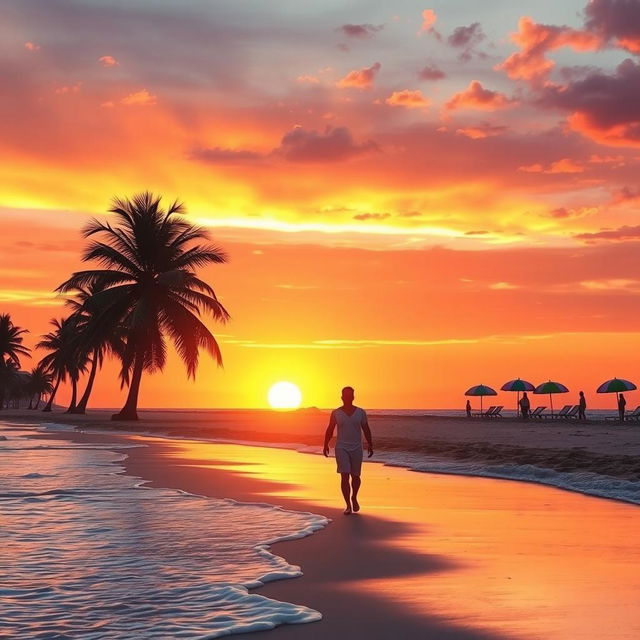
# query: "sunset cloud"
481,131
603,107
361,78
334,145
428,20
475,96
431,72
621,234
108,61
408,98
536,40
466,38
32,46
615,20
565,165
360,30
221,156
139,99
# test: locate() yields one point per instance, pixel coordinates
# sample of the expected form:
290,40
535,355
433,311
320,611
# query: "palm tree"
96,337
148,285
40,383
11,349
62,361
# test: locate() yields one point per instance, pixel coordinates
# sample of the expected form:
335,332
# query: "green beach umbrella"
616,385
481,390
518,386
550,387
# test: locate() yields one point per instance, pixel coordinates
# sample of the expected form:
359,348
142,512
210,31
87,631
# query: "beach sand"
600,447
430,556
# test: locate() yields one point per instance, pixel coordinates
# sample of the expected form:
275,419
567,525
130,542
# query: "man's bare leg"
355,484
346,491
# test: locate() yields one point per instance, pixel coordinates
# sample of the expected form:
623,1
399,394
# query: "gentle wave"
86,552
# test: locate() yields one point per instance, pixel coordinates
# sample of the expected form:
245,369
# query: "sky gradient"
415,199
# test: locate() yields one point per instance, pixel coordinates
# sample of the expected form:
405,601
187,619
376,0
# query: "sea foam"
86,552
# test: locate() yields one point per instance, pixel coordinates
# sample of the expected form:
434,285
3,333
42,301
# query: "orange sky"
413,202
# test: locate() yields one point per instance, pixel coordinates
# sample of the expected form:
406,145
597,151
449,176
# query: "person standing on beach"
622,403
351,422
582,407
468,408
525,405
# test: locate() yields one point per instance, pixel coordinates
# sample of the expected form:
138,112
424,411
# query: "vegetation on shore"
142,291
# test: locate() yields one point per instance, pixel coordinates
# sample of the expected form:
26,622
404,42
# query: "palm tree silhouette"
96,337
40,383
148,285
62,361
11,349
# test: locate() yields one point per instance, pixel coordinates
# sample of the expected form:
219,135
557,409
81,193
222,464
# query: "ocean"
88,552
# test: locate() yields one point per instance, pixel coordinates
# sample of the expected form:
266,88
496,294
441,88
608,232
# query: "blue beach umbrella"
616,385
550,387
481,390
518,386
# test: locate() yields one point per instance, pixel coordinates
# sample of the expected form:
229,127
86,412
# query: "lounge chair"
634,415
497,413
537,412
485,414
573,414
559,414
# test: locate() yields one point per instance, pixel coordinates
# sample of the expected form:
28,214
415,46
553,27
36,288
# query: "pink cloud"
32,46
139,99
431,72
475,96
361,78
360,30
108,61
408,98
428,20
536,40
481,131
565,165
307,79
617,21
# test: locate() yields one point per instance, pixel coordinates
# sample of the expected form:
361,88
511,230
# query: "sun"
284,395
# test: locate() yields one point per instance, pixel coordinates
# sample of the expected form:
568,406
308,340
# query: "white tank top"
349,428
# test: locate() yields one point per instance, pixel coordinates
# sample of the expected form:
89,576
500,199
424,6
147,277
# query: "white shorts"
349,461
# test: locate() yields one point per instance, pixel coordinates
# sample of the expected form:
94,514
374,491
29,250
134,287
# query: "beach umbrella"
517,385
616,385
481,390
550,387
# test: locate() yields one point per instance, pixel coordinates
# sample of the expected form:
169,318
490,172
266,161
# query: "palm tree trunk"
30,402
82,405
38,398
53,395
130,409
74,395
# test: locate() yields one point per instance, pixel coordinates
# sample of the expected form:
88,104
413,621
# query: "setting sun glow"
284,395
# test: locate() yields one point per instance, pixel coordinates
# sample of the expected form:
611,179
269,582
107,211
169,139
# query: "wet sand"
600,447
430,556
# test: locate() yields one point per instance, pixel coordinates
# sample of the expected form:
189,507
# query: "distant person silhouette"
582,407
468,408
525,405
622,403
351,422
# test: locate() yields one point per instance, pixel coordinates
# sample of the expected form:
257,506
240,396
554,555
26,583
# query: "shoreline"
393,571
593,459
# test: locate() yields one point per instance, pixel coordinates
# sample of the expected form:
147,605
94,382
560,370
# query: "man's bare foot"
356,505
347,511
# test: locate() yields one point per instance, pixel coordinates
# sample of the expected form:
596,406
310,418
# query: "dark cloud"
334,144
617,20
623,233
467,38
626,194
360,30
219,155
431,72
603,107
560,213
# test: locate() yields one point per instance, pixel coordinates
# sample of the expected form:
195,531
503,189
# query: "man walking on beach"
351,422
